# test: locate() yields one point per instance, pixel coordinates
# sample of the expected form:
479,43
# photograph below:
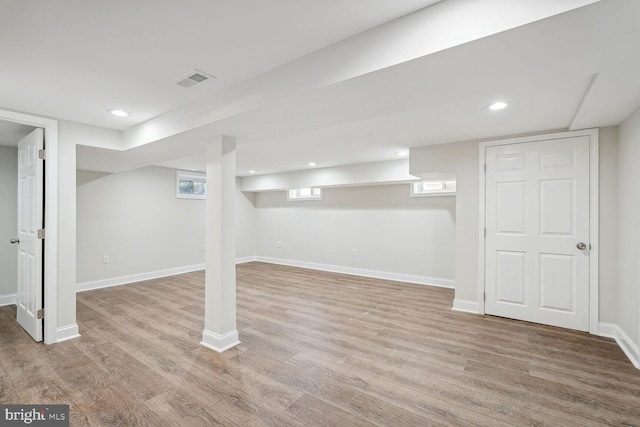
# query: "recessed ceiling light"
312,163
118,113
252,171
401,153
500,105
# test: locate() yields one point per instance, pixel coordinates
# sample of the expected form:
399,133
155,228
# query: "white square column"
220,331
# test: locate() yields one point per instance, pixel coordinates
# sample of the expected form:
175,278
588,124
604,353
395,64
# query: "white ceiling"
572,70
75,59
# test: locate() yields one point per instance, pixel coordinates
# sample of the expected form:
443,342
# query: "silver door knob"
15,240
582,246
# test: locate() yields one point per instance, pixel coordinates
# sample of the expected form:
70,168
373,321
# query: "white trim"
9,299
627,345
68,332
594,286
398,277
246,259
219,343
133,278
594,229
50,127
608,330
465,306
139,277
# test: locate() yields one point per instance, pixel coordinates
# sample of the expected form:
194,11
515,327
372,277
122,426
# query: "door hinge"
40,314
484,296
41,233
485,168
42,154
485,232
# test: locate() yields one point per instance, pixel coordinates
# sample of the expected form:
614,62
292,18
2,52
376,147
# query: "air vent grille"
193,78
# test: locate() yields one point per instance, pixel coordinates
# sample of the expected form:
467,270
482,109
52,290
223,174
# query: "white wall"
246,230
135,218
628,290
462,159
608,229
8,219
390,231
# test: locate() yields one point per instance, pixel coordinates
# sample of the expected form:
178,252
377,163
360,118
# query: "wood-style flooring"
318,349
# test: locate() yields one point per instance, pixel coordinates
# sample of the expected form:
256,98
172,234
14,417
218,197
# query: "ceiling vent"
193,78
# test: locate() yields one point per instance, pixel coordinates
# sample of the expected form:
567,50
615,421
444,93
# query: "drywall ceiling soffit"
99,159
441,97
613,96
382,137
75,59
439,27
376,173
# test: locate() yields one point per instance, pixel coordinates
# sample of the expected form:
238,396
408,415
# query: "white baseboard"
246,259
123,280
220,343
627,345
398,277
68,332
609,330
7,300
465,306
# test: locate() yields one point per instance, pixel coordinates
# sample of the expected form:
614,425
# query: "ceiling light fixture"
401,153
252,171
500,105
119,113
312,163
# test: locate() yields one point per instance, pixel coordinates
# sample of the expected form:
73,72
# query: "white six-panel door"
537,219
30,220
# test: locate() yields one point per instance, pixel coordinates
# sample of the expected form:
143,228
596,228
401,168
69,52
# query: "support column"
220,331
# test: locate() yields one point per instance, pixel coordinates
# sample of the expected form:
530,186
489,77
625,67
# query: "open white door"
30,222
537,232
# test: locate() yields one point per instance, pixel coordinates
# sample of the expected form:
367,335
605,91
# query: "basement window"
191,185
431,188
304,194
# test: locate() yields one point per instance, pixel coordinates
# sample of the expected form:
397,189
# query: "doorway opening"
26,122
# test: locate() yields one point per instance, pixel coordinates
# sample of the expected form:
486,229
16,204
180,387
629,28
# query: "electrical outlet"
354,252
105,259
279,244
202,248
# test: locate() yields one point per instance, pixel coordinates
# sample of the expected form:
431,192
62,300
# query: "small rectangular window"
304,194
191,185
433,188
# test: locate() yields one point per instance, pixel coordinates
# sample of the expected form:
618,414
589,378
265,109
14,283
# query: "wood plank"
317,349
315,412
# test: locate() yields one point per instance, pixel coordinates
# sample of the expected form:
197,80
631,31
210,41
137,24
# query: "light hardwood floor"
317,349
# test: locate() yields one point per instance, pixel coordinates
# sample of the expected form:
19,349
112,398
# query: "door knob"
582,246
15,240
